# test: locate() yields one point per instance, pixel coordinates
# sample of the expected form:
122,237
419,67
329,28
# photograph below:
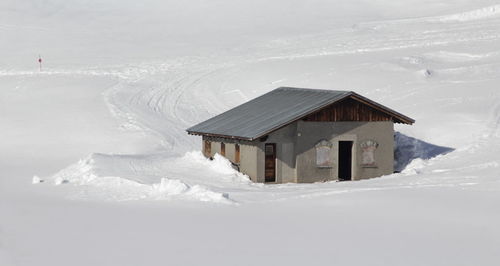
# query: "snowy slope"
119,182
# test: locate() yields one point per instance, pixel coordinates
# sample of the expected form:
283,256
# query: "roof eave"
218,135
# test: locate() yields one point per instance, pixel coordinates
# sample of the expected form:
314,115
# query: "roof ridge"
310,89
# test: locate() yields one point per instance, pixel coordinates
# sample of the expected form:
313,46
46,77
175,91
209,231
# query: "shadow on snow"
408,148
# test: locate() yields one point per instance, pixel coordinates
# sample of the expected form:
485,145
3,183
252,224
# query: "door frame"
352,161
207,148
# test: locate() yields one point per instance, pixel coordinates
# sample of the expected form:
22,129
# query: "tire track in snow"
191,86
152,100
379,36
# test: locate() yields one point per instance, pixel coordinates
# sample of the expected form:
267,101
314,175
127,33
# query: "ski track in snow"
156,99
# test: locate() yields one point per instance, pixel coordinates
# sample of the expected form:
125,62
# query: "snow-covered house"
305,135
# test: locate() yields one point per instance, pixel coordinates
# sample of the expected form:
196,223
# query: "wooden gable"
352,109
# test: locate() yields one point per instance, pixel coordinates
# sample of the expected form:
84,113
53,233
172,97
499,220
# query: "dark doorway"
270,164
345,160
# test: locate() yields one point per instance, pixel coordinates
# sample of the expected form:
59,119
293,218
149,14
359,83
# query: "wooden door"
208,148
236,153
222,149
345,160
270,163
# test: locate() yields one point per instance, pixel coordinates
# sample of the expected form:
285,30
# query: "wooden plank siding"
348,110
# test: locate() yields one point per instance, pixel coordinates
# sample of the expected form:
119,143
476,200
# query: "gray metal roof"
266,113
272,111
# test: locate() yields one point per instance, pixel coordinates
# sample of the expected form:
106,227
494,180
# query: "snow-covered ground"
97,169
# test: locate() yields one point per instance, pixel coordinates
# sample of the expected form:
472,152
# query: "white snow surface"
97,168
480,13
132,177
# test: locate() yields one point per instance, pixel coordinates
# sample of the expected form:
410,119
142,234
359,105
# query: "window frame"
323,152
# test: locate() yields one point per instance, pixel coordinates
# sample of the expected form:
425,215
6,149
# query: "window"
368,148
236,153
323,154
222,149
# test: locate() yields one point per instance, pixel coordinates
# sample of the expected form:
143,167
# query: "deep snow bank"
132,177
194,177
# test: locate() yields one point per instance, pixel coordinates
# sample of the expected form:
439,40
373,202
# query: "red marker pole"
40,62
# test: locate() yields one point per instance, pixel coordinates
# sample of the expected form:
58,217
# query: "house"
305,135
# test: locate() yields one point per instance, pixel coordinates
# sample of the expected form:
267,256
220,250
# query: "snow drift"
142,177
